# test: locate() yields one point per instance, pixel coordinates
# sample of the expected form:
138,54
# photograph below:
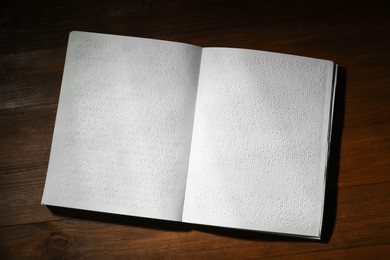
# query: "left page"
123,128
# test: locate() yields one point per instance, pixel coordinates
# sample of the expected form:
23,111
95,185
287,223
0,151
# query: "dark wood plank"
87,239
31,25
31,78
354,34
380,252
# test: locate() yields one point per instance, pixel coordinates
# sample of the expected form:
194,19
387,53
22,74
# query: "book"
226,137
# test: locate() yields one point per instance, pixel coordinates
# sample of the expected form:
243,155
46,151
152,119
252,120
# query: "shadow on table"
120,219
331,190
329,207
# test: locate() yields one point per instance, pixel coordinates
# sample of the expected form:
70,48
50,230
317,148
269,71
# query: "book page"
260,142
123,128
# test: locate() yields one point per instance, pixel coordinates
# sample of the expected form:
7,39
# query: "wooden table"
33,38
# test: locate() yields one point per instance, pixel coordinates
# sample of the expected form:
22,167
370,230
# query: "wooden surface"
354,34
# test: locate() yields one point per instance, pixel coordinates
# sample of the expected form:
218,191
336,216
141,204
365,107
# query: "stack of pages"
216,136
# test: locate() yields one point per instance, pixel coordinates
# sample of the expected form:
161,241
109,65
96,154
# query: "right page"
260,142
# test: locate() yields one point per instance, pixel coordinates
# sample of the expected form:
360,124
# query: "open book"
217,136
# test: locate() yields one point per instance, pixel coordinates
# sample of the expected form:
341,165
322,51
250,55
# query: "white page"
260,142
123,128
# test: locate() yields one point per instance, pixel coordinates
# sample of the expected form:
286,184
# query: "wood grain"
354,34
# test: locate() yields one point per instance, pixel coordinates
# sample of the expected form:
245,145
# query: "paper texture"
259,147
123,128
